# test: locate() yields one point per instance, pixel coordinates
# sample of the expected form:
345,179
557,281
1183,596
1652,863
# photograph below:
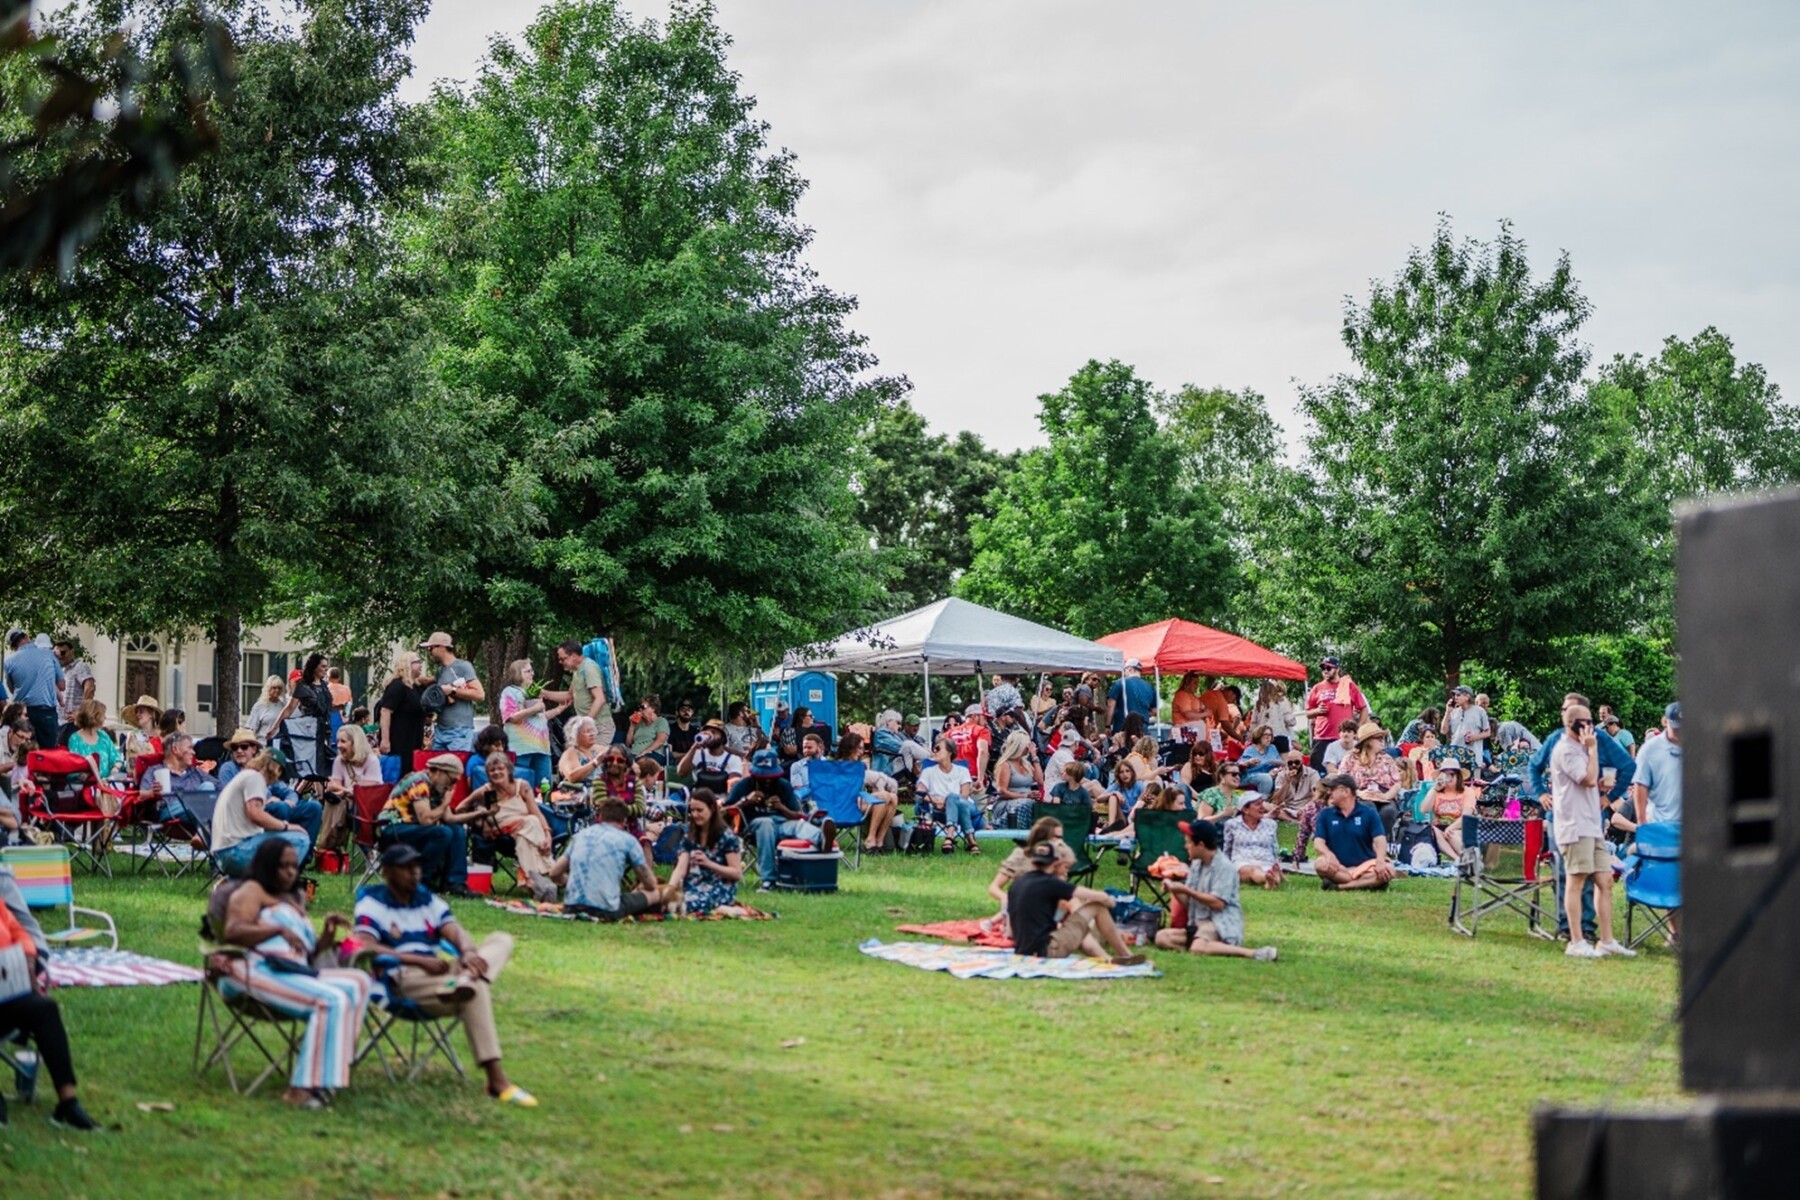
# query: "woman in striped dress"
267,915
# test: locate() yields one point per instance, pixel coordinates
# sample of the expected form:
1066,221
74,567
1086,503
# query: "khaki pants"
1075,927
478,1014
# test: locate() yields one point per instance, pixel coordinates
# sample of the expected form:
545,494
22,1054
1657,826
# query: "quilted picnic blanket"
115,968
961,931
979,962
531,908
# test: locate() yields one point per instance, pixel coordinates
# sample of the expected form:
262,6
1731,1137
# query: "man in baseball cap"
418,813
1215,923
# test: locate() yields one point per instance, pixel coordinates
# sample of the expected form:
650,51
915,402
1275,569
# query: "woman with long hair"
402,716
1045,829
267,915
312,698
1018,781
1377,773
526,720
1126,790
711,860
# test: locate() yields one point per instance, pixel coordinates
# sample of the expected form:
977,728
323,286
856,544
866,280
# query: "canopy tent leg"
1157,711
927,726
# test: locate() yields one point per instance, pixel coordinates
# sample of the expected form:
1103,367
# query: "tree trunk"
495,654
228,671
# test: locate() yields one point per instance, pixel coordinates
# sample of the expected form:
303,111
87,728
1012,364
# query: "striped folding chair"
1482,890
44,877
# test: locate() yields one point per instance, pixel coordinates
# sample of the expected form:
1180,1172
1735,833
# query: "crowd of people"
584,800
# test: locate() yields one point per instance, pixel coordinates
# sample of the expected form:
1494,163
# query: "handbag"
15,973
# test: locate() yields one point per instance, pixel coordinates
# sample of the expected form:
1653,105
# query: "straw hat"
242,736
130,715
1370,729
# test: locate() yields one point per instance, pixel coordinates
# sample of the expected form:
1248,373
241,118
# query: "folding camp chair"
1158,833
157,837
461,791
65,800
1077,821
1462,754
1490,891
368,799
1653,880
241,1021
837,789
413,1036
46,880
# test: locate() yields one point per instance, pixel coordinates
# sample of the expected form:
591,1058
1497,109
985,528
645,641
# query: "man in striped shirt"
413,925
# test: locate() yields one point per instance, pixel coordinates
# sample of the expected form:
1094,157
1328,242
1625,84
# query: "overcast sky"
1193,187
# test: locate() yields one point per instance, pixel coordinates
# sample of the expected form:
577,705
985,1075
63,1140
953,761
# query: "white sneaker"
1582,950
1617,950
1264,954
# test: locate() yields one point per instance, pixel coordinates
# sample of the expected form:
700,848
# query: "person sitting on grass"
711,862
595,864
947,789
768,807
1249,840
243,822
35,1013
418,813
401,918
1294,787
1046,829
1215,923
1038,897
267,913
1221,800
1349,845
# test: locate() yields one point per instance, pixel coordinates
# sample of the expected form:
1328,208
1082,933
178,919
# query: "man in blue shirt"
36,678
1656,787
1350,848
1132,694
595,864
1613,757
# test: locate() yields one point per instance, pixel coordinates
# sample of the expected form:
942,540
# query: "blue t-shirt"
1659,769
1132,694
598,858
33,672
1350,839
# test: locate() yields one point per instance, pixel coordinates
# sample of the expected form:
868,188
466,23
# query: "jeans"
766,831
235,860
1589,922
307,814
43,724
443,852
453,739
1262,779
960,814
533,769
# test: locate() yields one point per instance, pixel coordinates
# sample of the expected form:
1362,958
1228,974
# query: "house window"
256,670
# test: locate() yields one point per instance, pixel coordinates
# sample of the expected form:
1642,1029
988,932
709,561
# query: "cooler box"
807,870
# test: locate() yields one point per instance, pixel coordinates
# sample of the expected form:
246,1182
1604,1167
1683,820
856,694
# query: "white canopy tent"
954,637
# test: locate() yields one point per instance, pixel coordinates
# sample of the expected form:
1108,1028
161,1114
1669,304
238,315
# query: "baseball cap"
1338,781
445,762
1133,664
1043,855
911,719
1672,714
400,854
765,764
974,710
1330,660
1463,689
1204,832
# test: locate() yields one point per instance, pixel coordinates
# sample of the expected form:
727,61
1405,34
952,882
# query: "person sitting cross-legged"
1249,840
1215,918
243,822
711,863
400,917
418,813
1349,845
267,913
770,810
1040,896
594,868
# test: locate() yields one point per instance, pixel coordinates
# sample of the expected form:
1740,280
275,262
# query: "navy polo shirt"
1350,839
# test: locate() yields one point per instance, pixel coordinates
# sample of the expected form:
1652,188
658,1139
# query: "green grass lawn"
1382,1056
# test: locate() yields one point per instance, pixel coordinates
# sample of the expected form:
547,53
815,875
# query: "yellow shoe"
514,1094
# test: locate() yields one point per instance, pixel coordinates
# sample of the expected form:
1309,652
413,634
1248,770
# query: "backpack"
668,845
922,838
1415,835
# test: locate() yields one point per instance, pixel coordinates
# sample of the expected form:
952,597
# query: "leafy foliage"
1480,506
1099,531
624,287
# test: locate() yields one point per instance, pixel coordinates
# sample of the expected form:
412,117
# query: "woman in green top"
1221,799
90,739
648,736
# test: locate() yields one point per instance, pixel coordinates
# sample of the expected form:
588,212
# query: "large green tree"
1100,530
920,494
226,409
627,294
1479,503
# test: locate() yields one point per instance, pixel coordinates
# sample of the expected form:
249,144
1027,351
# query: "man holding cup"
1581,834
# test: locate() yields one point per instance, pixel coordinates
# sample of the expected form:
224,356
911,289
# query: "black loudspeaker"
1738,629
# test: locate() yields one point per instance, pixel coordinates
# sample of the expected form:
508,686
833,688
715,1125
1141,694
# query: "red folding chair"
460,792
64,798
367,800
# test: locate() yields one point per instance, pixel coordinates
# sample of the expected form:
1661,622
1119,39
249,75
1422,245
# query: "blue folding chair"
837,790
1653,880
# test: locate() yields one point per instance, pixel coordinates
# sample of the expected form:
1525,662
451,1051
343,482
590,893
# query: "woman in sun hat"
143,717
1377,773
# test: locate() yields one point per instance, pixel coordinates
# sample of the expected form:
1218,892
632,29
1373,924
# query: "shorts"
1203,930
1586,856
630,905
1069,935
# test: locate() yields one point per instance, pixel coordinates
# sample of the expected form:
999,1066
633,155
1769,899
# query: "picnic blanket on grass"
978,962
115,968
961,931
1438,872
531,908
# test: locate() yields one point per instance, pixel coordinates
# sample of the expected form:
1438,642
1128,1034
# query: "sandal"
974,847
949,845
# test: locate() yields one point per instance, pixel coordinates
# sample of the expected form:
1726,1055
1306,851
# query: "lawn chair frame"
1489,893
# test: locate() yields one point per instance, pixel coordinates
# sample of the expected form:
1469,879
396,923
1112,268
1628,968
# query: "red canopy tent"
1176,645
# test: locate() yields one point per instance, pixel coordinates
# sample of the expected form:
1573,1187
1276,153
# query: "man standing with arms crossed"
1580,834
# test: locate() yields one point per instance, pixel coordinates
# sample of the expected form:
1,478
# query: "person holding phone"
1581,833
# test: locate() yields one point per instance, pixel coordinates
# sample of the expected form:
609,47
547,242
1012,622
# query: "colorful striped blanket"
115,968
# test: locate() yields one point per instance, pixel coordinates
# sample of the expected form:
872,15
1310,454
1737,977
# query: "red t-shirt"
968,738
1324,695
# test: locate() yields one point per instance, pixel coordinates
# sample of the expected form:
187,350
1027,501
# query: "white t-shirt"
1335,754
1577,804
231,817
1279,717
939,783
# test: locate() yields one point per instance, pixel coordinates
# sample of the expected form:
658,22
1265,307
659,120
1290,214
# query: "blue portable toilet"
816,690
